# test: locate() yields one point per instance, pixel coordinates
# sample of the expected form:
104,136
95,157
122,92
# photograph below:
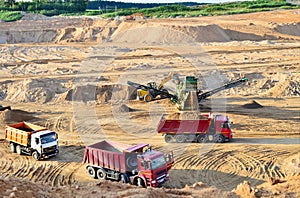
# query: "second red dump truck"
211,128
138,165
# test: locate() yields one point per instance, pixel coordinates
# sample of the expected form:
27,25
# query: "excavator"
135,16
152,90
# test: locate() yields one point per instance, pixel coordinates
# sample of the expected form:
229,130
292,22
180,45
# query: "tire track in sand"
55,173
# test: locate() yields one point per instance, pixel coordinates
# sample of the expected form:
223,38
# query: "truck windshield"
48,138
158,162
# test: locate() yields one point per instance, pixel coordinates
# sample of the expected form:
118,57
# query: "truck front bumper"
50,154
159,181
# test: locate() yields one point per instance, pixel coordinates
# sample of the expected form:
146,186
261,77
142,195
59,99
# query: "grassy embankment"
207,10
172,10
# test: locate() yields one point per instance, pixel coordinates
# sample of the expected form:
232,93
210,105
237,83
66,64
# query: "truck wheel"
148,98
35,156
12,147
168,138
140,182
220,138
201,139
101,174
180,138
91,171
132,162
18,150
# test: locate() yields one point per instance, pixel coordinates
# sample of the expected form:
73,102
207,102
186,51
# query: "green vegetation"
8,16
11,8
206,10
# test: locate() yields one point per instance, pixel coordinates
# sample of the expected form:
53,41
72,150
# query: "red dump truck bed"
183,126
112,155
20,132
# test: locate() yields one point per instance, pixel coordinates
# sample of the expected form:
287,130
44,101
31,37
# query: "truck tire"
168,138
91,172
180,138
12,147
148,98
201,139
35,155
132,162
18,150
140,182
101,174
220,138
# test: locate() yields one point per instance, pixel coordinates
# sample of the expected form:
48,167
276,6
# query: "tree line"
49,7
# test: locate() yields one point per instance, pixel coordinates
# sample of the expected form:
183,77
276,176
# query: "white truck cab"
44,144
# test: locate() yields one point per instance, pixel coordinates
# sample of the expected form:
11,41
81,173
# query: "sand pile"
289,29
32,90
184,115
10,116
252,105
179,34
27,36
100,93
154,34
35,17
124,108
208,33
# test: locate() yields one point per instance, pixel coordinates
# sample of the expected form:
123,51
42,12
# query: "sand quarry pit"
70,74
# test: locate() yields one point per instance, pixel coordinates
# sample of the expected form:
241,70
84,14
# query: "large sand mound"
155,34
10,116
289,29
180,34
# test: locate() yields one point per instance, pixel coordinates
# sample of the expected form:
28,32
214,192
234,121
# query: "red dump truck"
31,139
210,128
138,165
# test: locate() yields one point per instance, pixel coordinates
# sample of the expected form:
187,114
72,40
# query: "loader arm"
137,85
202,96
166,79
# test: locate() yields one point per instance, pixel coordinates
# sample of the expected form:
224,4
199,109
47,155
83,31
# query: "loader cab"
152,85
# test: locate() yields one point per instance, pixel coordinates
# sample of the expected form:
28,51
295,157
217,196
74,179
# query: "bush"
9,16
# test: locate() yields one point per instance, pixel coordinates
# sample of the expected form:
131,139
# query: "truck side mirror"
37,141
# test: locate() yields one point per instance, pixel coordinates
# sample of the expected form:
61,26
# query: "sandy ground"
70,75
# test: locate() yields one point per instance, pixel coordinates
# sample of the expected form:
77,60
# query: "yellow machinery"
151,90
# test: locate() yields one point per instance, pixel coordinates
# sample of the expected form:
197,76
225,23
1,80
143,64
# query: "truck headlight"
153,182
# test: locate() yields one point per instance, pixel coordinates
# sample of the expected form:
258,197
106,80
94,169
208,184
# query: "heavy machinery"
152,90
4,108
135,16
210,128
137,165
31,139
189,96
